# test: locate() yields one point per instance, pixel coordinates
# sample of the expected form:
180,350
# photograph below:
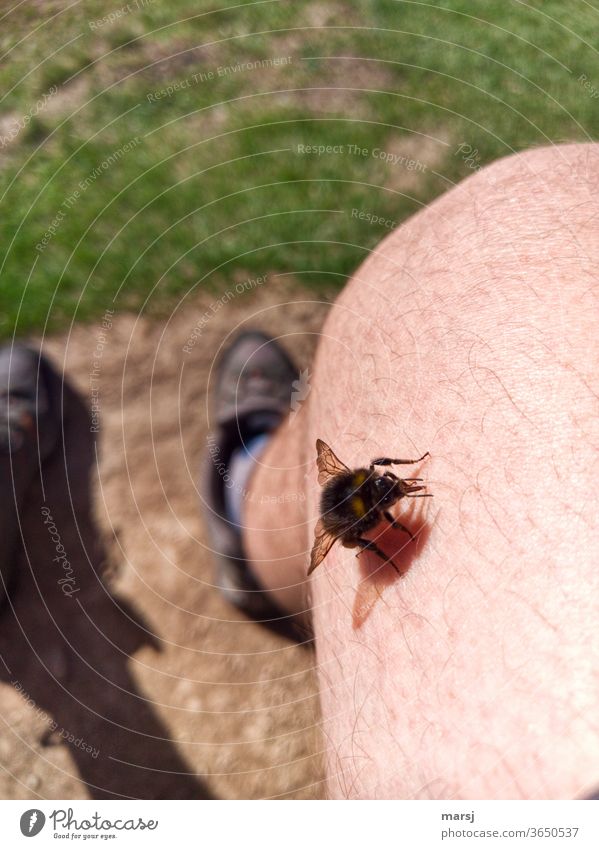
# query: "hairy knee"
471,332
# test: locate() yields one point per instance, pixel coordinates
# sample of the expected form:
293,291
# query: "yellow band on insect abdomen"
358,506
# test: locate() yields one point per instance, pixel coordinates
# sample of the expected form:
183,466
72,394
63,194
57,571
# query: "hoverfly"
353,501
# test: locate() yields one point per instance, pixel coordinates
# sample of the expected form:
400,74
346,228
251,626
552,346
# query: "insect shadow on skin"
355,511
376,575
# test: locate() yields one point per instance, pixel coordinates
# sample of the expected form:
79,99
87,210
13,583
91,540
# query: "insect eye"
382,487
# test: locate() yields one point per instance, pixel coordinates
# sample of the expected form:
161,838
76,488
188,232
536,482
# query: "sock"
241,465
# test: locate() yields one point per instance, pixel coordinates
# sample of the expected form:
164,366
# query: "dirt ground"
142,682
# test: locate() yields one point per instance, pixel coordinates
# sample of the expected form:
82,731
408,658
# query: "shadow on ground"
65,640
144,682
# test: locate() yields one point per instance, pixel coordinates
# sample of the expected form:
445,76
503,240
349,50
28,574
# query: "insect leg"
394,477
397,525
368,545
387,461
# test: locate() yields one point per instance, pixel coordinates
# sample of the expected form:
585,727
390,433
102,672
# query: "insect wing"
323,540
328,464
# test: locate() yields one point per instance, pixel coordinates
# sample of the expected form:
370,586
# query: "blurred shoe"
252,396
29,429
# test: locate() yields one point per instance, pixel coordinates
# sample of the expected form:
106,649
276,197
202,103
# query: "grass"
213,186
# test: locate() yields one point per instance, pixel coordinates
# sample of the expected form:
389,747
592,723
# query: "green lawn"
169,155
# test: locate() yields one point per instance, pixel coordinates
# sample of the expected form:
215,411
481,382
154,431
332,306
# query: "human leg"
469,332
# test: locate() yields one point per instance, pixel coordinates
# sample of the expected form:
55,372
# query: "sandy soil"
144,682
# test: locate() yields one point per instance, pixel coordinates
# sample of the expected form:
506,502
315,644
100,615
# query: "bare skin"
470,332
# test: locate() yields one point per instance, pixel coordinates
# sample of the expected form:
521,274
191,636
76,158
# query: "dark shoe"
29,428
252,396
